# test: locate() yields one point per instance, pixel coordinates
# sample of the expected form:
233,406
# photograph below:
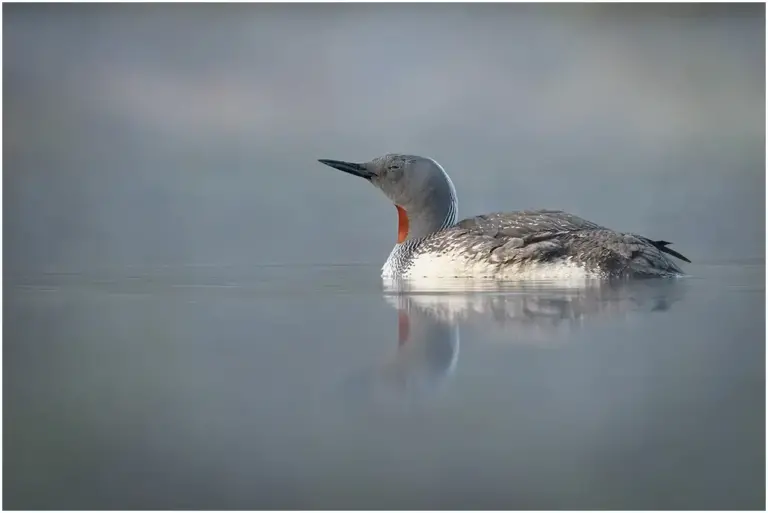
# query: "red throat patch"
402,224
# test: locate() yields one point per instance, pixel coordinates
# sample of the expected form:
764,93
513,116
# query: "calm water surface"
317,387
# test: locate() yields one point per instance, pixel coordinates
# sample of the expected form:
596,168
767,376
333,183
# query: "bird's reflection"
426,352
429,316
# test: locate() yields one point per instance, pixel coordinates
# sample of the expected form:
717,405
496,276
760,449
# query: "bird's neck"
419,228
427,220
435,211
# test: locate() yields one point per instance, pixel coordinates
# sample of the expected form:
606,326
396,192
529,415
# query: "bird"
524,244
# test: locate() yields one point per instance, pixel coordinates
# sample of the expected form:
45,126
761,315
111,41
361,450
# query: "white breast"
447,265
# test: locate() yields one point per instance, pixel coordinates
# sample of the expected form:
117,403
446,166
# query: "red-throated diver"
535,244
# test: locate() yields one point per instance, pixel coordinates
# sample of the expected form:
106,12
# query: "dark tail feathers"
662,246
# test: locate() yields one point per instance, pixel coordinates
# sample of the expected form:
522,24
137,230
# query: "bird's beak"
349,167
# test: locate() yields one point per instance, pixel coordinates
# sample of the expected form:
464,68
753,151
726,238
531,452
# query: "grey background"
147,135
193,310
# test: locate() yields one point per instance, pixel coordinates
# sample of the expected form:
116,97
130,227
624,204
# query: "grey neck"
434,211
426,221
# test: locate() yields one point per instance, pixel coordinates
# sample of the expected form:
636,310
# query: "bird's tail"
662,246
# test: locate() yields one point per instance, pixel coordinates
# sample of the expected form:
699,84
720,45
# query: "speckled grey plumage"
524,222
530,236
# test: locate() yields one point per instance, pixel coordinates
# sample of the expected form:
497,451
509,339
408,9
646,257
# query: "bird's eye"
394,166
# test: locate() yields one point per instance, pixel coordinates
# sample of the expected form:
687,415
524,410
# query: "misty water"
322,387
192,309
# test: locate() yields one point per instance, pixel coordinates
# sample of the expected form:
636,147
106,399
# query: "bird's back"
524,222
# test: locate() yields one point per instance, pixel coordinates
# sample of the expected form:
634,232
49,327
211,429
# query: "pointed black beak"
349,167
